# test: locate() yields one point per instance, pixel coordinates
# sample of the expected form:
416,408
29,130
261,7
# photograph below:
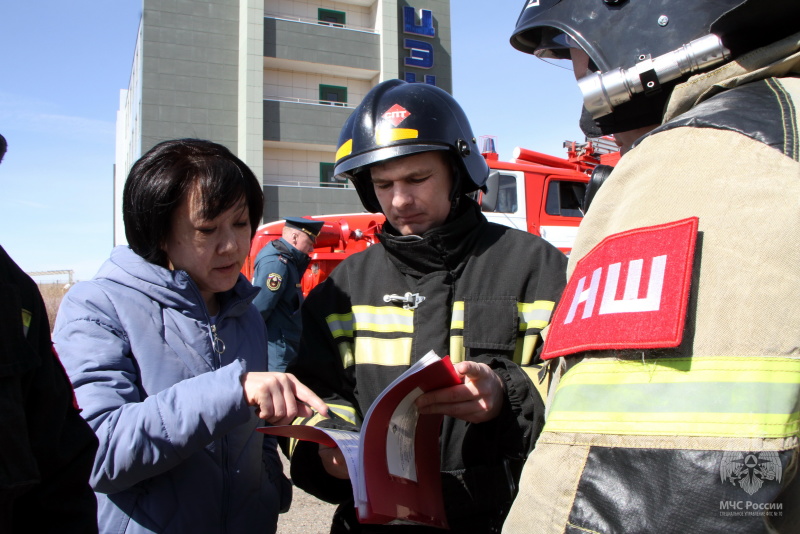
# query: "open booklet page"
393,462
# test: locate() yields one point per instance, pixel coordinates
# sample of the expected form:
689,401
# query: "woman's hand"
280,397
333,461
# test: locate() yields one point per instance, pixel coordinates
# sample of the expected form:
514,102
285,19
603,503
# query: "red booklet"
393,461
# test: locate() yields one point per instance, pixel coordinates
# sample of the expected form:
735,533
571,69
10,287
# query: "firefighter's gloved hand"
477,400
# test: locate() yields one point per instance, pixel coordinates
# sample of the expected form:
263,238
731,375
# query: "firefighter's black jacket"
488,291
46,448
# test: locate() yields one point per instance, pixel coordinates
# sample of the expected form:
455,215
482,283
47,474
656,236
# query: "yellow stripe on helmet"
384,136
345,150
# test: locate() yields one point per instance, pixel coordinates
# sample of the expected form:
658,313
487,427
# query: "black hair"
3,147
160,180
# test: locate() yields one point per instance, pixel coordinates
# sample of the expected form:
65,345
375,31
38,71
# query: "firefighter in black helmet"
381,129
671,408
438,280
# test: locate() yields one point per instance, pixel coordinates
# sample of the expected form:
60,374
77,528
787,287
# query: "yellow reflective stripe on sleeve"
384,136
26,318
540,385
700,396
457,353
303,421
340,324
698,369
26,321
345,150
457,320
383,319
699,424
523,354
345,411
383,351
535,315
346,354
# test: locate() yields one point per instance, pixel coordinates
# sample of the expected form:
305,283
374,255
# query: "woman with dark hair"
167,355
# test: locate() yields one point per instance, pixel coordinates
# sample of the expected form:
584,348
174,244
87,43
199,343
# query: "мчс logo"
750,469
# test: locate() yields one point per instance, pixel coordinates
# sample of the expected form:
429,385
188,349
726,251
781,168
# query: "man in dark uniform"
278,270
441,278
46,448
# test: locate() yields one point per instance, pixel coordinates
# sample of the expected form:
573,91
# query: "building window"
332,95
330,17
326,177
564,198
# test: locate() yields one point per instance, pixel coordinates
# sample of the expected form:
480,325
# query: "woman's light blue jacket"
178,447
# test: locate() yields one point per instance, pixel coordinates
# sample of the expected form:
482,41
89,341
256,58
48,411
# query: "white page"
423,362
349,443
400,439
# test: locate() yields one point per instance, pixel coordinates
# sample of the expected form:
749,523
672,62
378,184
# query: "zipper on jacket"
218,344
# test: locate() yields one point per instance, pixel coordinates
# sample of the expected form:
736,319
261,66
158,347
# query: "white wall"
294,167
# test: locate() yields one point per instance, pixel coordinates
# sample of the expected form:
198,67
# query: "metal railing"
303,20
311,184
315,101
68,272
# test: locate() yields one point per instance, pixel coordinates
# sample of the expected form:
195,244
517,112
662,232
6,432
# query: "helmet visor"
554,44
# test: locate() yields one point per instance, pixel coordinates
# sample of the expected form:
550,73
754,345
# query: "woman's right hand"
280,397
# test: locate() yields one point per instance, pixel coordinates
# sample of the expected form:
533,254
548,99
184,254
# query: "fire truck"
533,192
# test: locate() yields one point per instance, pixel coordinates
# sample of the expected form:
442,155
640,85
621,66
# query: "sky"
63,64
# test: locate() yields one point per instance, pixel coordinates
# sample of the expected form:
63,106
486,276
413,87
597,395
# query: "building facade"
273,80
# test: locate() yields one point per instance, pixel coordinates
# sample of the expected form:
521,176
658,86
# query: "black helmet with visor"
641,49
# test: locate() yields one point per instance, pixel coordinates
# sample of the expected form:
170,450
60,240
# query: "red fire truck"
534,192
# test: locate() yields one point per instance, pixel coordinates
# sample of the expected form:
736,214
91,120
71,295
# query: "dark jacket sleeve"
319,366
46,448
522,419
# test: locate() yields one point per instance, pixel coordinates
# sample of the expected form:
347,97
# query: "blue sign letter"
412,78
421,54
425,28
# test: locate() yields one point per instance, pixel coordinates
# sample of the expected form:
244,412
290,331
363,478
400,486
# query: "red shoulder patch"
599,312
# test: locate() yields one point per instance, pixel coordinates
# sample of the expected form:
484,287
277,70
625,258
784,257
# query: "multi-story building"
273,80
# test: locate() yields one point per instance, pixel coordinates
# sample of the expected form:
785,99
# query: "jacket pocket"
491,323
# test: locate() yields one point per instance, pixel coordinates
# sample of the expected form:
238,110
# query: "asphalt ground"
308,515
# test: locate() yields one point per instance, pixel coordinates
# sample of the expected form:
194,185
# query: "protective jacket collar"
781,58
444,248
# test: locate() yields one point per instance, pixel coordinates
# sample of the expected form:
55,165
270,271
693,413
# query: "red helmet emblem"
396,114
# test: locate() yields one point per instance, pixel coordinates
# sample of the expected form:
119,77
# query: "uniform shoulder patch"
597,312
274,281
